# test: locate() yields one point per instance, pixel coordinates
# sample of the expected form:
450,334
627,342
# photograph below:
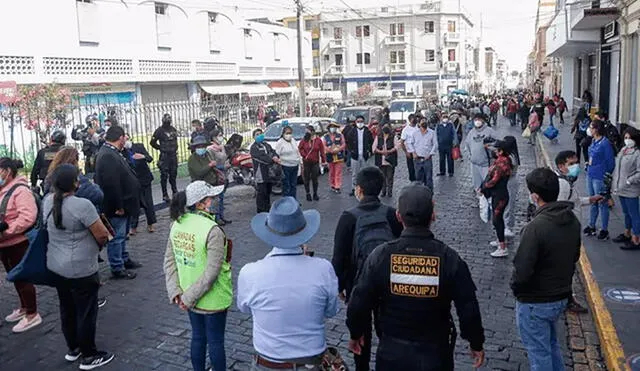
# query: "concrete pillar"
568,75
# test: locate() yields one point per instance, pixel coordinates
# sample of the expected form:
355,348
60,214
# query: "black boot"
309,197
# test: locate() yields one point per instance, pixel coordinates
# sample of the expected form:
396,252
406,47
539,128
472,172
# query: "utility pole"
301,92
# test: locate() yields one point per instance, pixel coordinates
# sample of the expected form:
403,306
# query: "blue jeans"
289,181
631,211
117,247
595,187
424,172
208,329
221,197
551,120
537,326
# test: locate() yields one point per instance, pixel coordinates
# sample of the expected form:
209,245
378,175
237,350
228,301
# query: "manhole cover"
634,362
623,295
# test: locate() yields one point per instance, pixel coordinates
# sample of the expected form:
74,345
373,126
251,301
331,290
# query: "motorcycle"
241,169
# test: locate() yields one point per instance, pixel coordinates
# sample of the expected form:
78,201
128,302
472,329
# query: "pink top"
21,213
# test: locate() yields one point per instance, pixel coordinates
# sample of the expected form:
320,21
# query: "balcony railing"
395,40
337,44
335,70
452,37
396,67
450,66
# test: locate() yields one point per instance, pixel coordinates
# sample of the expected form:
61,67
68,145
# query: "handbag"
484,208
455,153
33,266
274,172
526,133
332,360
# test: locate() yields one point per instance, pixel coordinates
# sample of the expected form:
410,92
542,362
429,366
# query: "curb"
609,341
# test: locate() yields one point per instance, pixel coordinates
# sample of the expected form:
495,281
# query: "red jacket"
494,106
512,107
311,151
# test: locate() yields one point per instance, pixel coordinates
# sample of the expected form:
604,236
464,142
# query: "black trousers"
263,197
389,172
397,354
499,204
310,173
582,149
362,361
79,312
412,169
168,165
146,203
446,160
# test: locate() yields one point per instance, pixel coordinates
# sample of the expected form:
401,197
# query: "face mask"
532,201
573,170
128,144
630,143
213,206
478,124
259,138
201,151
1,181
360,125
589,132
445,120
333,130
307,137
287,137
220,139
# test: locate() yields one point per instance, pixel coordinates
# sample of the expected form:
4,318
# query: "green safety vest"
189,242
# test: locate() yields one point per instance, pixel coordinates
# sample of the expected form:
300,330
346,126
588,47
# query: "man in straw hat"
288,293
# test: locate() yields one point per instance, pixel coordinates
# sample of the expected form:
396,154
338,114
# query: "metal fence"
141,120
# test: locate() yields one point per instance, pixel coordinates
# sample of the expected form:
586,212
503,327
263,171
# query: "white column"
568,73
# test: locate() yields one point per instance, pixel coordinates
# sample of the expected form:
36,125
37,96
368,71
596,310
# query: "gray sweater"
474,144
626,175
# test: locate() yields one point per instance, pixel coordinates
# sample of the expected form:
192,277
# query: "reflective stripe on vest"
189,242
334,157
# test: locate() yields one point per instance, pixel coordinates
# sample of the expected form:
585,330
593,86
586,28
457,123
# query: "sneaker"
316,198
500,253
621,239
131,264
352,193
72,355
440,174
166,199
27,324
150,228
101,303
15,316
99,360
630,246
509,233
309,197
589,231
123,275
494,244
603,235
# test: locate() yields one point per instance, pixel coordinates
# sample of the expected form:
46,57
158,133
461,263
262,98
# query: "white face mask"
128,144
445,120
333,130
478,124
589,132
220,139
287,137
360,125
630,143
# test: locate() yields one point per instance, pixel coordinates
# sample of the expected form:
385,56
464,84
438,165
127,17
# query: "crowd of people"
387,265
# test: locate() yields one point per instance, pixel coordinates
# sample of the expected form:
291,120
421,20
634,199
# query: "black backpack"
5,203
372,230
612,134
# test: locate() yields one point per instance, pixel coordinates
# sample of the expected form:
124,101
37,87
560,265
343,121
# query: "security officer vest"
337,141
48,153
189,241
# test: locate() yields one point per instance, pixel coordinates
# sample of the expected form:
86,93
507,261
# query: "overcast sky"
508,25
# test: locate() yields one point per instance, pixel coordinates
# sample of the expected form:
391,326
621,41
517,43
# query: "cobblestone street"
147,333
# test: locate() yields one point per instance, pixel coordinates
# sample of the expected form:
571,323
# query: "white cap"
199,190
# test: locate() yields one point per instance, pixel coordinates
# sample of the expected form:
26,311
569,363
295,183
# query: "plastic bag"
551,132
455,153
484,208
526,133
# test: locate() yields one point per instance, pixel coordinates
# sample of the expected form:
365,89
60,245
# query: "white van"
400,109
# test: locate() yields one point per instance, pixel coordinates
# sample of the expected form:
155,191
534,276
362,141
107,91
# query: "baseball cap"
415,204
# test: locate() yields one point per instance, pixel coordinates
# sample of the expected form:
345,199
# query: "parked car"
370,113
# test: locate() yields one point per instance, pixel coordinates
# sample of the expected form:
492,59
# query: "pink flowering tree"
363,93
43,108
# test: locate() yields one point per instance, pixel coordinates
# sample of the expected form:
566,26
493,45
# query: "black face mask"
307,136
386,130
424,125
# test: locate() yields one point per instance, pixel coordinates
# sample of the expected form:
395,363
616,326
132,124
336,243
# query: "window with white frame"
396,31
429,27
429,55
276,47
451,55
163,26
363,31
337,33
363,58
89,21
396,59
451,26
248,44
338,59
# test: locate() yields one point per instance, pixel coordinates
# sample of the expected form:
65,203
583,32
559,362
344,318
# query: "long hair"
177,208
512,148
65,178
66,155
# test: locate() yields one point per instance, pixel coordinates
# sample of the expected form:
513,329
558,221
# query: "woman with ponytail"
76,235
18,214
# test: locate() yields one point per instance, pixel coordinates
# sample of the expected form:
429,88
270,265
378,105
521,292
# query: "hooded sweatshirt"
21,213
547,255
474,143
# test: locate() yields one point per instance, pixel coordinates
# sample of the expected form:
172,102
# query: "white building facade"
145,51
415,49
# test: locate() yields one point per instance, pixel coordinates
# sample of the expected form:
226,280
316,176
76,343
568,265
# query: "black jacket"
118,182
145,177
352,142
392,158
415,312
342,262
549,249
42,162
262,155
165,139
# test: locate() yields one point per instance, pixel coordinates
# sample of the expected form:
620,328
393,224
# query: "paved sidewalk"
615,271
147,333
